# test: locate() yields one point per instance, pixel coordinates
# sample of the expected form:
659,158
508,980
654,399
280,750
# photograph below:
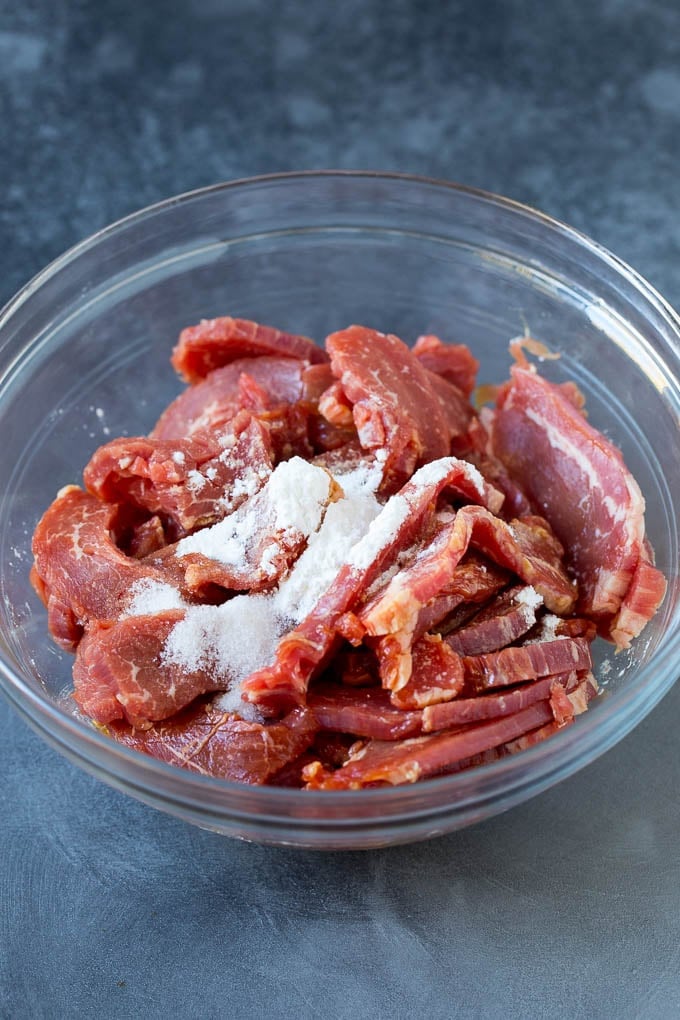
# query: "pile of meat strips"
325,569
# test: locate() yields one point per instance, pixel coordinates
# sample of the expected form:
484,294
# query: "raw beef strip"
217,342
145,538
393,613
357,667
119,672
453,362
394,406
253,547
315,380
302,652
527,662
437,674
481,454
289,431
335,406
324,434
578,695
528,547
474,581
406,761
458,413
580,482
206,740
79,572
363,711
190,482
643,598
492,706
501,623
209,404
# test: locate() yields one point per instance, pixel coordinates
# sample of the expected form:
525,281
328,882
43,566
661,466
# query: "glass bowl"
84,353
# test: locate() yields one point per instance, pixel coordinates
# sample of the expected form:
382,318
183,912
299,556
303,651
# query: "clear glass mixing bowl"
84,356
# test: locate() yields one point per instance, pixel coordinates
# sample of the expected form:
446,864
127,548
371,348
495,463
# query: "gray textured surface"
568,905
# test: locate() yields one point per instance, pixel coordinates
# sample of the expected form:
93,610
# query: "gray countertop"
566,906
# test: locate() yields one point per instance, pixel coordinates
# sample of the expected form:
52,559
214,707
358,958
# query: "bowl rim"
547,761
184,197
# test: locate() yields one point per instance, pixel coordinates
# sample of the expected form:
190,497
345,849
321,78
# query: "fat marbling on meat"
582,485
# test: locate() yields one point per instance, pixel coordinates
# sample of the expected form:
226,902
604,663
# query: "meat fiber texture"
580,483
324,569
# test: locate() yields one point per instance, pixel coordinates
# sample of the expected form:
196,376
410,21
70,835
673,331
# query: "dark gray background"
566,906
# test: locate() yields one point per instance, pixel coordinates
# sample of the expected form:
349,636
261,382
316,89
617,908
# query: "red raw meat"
453,362
437,674
363,711
210,404
315,380
393,613
357,667
474,581
577,692
458,413
561,705
119,672
463,711
289,427
250,549
528,547
217,342
394,406
302,652
643,598
206,740
190,482
406,761
335,407
580,482
396,701
500,623
145,538
481,454
265,539
516,664
79,572
324,434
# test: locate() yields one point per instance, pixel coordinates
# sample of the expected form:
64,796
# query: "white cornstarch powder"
232,640
362,480
195,481
380,530
299,500
344,525
528,597
241,636
150,596
291,504
548,630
